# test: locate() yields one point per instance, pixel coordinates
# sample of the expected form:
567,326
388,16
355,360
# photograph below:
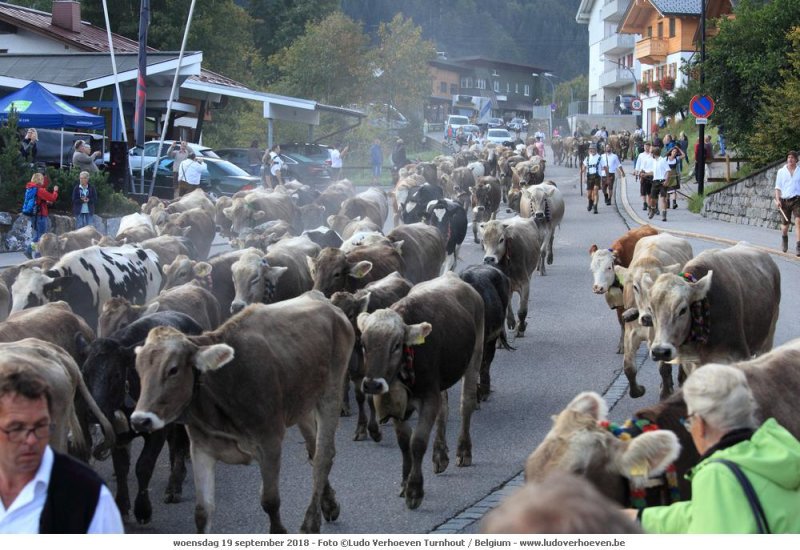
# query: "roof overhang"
584,12
57,89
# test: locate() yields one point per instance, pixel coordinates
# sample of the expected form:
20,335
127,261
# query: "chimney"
67,15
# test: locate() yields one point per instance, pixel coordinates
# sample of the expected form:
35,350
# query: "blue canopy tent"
38,108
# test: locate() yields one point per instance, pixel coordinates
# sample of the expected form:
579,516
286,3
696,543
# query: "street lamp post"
547,76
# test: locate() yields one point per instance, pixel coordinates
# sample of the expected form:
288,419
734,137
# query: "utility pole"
701,150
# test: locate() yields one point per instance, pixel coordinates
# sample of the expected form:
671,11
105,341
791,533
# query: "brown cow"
222,222
605,278
414,351
195,224
379,294
513,246
371,204
56,246
485,198
257,207
422,249
169,247
223,384
576,443
334,195
346,227
334,270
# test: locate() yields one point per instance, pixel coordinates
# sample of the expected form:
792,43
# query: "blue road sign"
701,106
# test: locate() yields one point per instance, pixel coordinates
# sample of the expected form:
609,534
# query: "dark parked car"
240,156
306,170
220,177
314,151
496,123
622,104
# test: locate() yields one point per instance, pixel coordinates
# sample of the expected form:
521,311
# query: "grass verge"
696,199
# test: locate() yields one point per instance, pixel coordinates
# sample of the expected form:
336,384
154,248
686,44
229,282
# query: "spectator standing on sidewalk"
44,199
674,183
178,152
84,199
336,154
787,199
376,159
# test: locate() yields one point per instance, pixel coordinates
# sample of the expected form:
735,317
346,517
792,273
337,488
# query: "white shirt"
660,169
336,158
24,513
788,184
591,162
277,163
644,162
611,160
190,171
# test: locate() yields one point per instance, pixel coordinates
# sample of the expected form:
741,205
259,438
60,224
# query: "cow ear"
649,455
673,268
273,274
415,334
592,249
312,265
202,269
361,321
259,215
621,273
209,358
398,245
590,403
360,269
362,303
700,288
151,308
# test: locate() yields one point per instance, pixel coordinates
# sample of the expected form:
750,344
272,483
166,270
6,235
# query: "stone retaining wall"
749,201
16,231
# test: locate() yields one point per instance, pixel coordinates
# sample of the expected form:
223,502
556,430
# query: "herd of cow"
217,356
571,150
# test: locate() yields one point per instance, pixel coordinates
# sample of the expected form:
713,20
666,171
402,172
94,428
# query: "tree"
326,63
775,128
747,57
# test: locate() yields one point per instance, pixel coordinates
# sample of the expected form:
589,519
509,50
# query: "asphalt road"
569,347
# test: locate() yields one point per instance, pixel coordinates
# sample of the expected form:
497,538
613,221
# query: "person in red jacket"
43,199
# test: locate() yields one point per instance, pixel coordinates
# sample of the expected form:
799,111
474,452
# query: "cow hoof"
665,393
414,500
483,392
476,240
361,434
550,260
440,462
637,391
463,460
142,509
330,510
376,434
345,411
172,497
278,529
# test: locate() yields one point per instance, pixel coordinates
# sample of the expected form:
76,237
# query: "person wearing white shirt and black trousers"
660,178
787,199
643,170
591,165
609,166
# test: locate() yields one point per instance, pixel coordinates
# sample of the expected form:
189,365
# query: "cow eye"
636,289
501,240
683,311
172,371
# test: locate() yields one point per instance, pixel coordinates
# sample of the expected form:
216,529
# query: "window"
466,82
480,83
650,32
508,87
443,87
671,27
453,89
516,87
496,86
660,29
527,90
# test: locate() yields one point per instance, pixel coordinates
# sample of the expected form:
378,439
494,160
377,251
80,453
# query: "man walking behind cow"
609,166
660,178
42,491
787,199
591,168
643,170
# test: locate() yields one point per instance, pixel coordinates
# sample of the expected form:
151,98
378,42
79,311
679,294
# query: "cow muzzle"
662,352
646,320
374,386
146,422
237,306
599,289
491,260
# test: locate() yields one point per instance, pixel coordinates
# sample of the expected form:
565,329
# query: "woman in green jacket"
721,420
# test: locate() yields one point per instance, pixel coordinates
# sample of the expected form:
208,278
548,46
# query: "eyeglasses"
687,422
18,435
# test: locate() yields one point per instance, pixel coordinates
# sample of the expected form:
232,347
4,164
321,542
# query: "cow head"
636,290
332,271
31,288
167,365
352,305
111,378
385,338
48,246
116,313
255,280
580,445
244,213
602,268
312,215
495,240
671,301
539,199
183,270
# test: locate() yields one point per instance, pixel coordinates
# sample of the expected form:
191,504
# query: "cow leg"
621,345
372,426
665,370
428,410
121,459
475,223
153,443
440,450
345,411
522,313
543,257
323,498
204,486
550,255
402,432
485,379
469,398
178,445
633,339
308,429
510,321
270,465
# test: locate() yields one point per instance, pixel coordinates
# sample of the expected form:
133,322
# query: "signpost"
701,106
636,105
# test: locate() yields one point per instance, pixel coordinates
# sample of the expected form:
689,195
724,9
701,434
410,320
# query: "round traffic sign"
701,106
636,104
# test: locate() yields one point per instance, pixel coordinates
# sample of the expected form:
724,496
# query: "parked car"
500,136
136,158
455,122
219,177
622,104
240,156
518,125
313,151
495,123
55,146
306,170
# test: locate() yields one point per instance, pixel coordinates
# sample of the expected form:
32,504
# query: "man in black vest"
42,491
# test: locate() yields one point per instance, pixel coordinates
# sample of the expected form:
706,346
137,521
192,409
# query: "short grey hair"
721,395
84,174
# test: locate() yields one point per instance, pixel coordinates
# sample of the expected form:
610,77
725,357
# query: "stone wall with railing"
748,201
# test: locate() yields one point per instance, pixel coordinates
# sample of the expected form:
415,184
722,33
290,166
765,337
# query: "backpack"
30,204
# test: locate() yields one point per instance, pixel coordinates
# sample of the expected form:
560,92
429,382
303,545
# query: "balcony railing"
652,50
615,78
617,43
614,10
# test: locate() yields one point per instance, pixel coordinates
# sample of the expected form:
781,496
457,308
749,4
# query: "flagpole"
141,86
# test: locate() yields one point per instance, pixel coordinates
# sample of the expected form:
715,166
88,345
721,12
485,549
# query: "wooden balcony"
652,51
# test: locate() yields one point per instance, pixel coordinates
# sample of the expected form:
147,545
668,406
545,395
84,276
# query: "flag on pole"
141,87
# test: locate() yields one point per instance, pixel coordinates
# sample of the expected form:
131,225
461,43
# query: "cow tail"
502,342
109,437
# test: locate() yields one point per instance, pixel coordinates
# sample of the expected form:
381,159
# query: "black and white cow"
86,278
450,218
413,209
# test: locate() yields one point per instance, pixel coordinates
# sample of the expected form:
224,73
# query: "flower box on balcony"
644,88
655,86
667,83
